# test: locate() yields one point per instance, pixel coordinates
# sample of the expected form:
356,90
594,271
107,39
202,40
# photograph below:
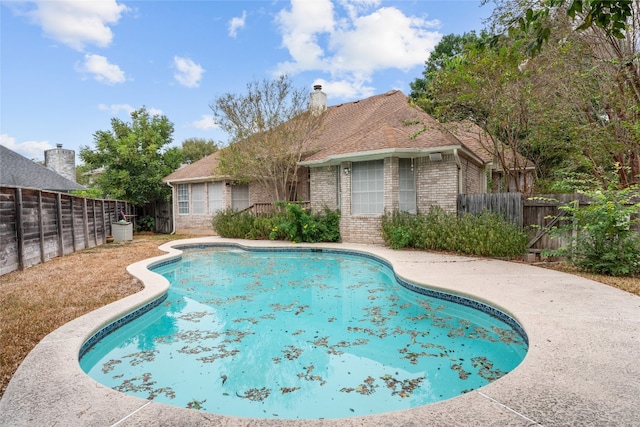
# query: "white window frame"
406,187
216,201
183,199
367,188
198,199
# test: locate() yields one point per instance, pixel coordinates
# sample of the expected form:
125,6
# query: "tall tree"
270,127
611,69
449,48
133,158
194,149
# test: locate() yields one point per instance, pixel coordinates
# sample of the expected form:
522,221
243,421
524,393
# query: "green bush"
485,235
295,224
234,225
146,223
302,225
601,234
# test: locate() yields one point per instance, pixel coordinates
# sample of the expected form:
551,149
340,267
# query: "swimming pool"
302,334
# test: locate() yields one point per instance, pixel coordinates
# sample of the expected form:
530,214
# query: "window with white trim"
406,187
239,197
183,199
215,197
367,188
198,202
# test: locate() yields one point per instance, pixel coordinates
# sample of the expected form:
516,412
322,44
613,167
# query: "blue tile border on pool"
113,326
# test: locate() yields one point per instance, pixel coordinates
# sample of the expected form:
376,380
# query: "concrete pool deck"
582,368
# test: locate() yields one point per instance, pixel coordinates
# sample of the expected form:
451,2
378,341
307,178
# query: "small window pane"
407,187
197,199
215,197
367,188
183,199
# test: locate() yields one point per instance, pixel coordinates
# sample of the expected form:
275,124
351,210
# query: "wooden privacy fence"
37,225
533,213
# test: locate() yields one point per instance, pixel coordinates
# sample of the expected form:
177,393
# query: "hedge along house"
371,156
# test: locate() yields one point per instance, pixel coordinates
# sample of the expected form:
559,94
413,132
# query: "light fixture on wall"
347,171
435,157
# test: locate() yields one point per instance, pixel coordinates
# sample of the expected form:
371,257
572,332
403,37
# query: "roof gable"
381,122
198,170
18,171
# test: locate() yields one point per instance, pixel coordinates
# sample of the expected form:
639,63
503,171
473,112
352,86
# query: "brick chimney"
317,100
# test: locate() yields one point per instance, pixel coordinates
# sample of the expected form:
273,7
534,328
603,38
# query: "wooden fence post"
104,223
60,227
95,221
85,217
19,228
73,223
41,225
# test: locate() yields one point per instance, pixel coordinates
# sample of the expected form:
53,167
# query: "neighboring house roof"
18,171
478,140
377,127
197,171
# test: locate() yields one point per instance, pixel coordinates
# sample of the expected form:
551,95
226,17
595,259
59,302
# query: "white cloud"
116,109
188,72
206,121
347,88
384,39
301,27
351,48
101,69
236,24
29,149
75,23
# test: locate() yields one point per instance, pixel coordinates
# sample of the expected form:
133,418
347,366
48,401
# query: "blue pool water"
288,334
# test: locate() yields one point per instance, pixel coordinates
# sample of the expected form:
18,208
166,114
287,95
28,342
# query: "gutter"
173,215
459,165
377,155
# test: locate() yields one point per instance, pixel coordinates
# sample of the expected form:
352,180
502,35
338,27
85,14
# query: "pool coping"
581,368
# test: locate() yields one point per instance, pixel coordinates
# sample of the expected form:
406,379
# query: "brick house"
372,156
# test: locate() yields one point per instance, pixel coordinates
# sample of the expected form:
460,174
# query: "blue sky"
67,67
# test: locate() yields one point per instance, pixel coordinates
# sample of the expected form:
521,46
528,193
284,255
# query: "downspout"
173,216
459,165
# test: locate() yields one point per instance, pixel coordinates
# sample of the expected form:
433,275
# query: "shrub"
485,235
296,224
146,223
302,225
605,242
231,224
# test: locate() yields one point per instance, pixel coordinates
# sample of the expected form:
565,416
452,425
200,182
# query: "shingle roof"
356,130
199,170
477,140
18,171
381,123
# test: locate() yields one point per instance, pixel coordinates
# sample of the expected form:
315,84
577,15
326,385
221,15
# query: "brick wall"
436,183
324,187
473,176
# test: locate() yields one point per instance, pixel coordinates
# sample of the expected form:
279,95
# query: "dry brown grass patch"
38,300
